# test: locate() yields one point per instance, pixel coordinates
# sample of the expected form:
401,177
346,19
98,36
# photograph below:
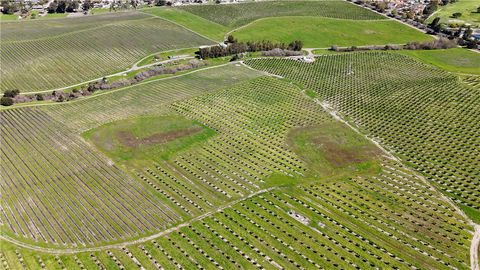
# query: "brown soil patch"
339,157
127,138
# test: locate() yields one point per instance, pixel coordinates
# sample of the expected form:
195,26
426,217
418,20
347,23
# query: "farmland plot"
147,98
68,58
252,122
57,190
391,221
236,15
382,218
37,29
248,147
422,114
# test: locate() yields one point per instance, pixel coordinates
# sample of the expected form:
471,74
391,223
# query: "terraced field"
55,54
386,219
422,114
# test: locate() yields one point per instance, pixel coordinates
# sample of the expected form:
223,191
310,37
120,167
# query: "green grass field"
198,24
468,8
455,60
318,32
214,21
333,151
8,17
147,138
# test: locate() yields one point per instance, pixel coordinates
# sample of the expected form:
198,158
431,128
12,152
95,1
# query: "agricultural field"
61,55
148,98
378,215
435,138
331,32
57,190
241,14
454,60
321,160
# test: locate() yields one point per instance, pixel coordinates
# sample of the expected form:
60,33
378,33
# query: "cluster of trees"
62,6
155,71
430,8
435,25
8,96
233,47
441,43
162,3
281,52
9,7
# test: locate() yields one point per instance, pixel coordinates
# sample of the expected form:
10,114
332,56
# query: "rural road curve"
133,68
133,242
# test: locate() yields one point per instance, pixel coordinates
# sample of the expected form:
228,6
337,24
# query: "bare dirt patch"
340,157
127,139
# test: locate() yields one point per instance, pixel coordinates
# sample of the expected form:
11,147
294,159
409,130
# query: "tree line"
233,47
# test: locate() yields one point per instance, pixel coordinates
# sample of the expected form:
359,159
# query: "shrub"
231,39
6,101
296,45
11,93
235,58
334,48
441,43
456,15
280,52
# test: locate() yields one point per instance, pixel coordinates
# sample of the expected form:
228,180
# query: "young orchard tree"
456,15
